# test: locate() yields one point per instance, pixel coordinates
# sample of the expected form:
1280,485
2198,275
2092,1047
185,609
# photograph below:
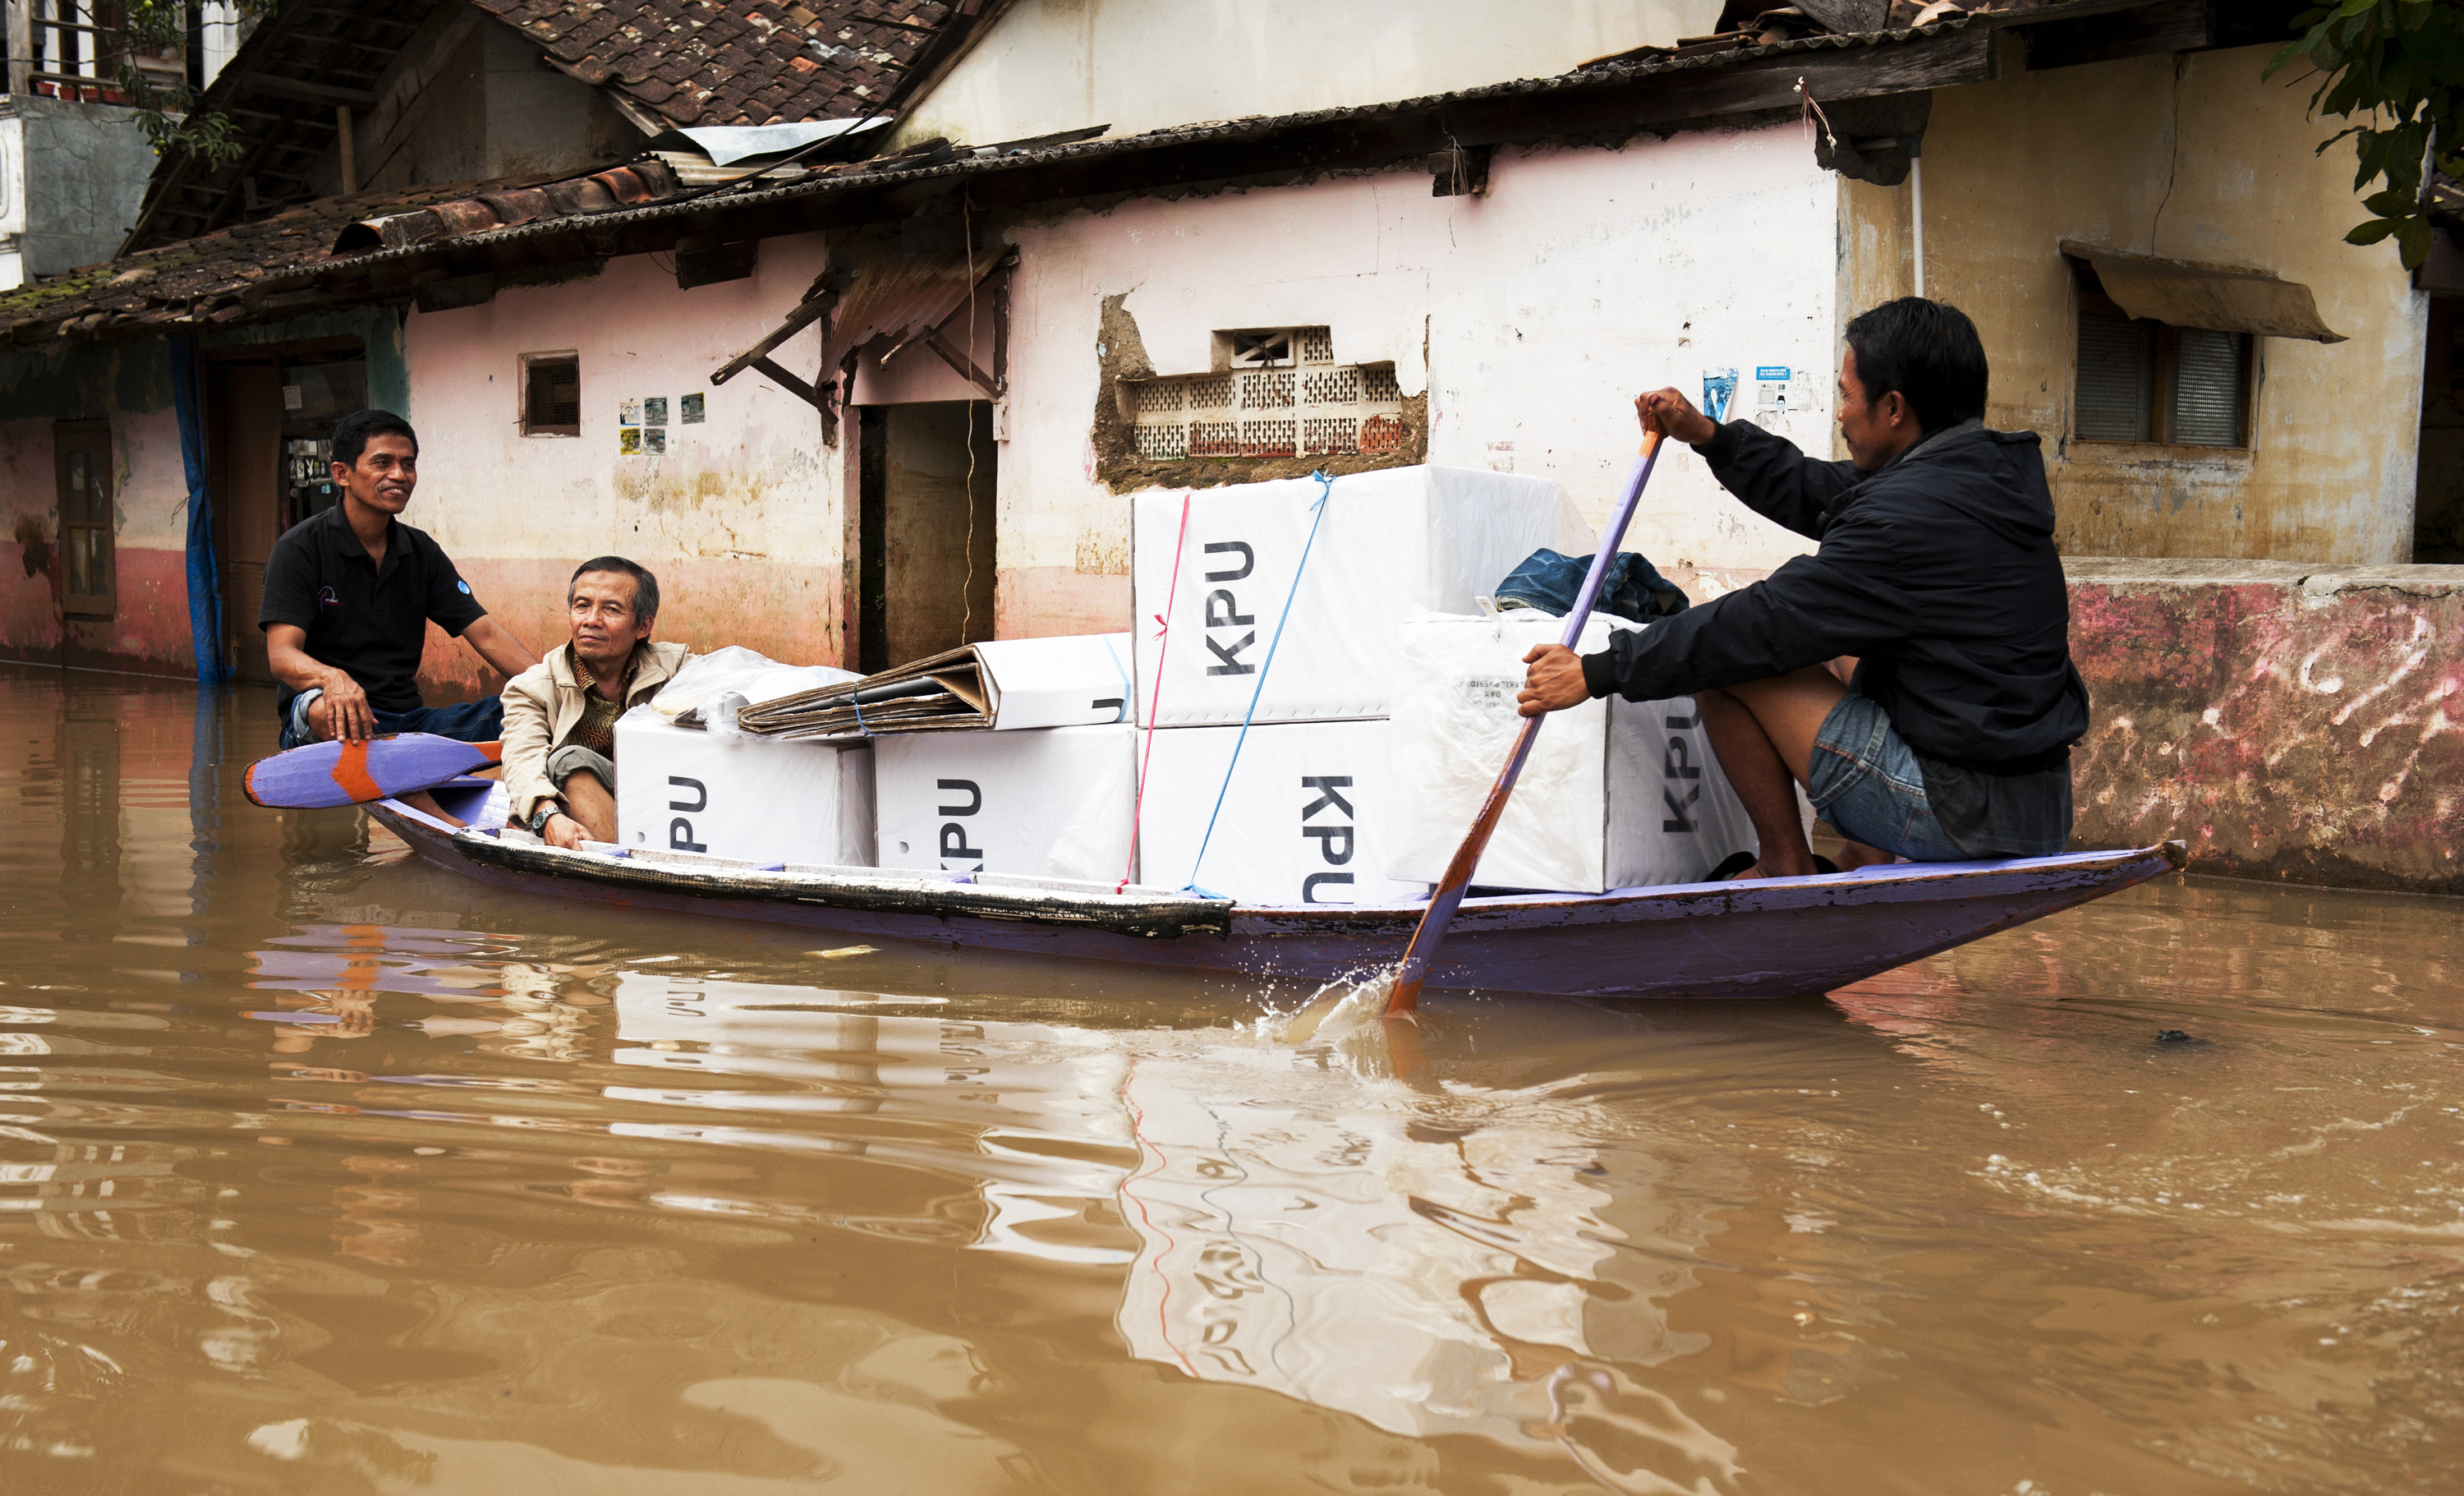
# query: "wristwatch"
545,812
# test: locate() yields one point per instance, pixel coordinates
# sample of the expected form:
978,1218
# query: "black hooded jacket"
1939,573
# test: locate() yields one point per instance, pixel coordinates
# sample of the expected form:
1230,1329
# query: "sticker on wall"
654,440
628,413
655,411
1718,384
690,412
628,441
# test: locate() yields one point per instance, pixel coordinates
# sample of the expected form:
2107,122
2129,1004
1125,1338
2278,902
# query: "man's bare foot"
424,804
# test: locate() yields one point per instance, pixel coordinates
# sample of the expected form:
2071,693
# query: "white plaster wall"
753,480
1583,278
1139,65
150,483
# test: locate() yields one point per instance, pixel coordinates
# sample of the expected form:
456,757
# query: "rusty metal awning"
2219,298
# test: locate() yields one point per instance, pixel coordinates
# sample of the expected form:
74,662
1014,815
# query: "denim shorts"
479,721
1865,782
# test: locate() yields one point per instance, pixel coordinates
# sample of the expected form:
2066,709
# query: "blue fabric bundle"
1633,589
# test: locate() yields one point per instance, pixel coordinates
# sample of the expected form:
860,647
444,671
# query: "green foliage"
2397,68
172,126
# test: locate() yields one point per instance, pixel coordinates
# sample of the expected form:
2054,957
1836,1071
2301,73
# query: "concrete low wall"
2289,722
2294,723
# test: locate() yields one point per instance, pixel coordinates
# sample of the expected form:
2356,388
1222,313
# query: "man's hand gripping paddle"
1414,969
322,776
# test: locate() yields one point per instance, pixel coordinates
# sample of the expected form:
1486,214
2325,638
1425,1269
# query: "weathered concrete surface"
2290,722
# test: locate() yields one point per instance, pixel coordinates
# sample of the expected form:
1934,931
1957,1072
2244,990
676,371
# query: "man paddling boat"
1936,575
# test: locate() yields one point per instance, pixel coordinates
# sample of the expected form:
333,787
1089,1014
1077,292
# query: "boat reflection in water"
1430,1263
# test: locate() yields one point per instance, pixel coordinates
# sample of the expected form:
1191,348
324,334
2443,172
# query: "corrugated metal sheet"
2116,378
898,297
2207,388
2219,298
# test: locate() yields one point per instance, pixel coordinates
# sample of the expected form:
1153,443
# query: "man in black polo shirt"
348,597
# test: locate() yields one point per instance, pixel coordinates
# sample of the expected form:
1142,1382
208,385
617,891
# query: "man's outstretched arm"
1769,472
498,646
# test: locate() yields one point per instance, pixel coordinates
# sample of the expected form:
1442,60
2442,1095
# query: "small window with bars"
86,551
551,394
2145,381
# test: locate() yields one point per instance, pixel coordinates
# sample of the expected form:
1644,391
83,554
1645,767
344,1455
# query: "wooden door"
247,499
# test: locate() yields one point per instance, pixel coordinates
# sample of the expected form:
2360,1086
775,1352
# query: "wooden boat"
1767,939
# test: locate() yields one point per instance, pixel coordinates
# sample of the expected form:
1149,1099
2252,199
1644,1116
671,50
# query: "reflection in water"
321,1170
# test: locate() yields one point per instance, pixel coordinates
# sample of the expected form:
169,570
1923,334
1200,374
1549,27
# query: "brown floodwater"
322,1170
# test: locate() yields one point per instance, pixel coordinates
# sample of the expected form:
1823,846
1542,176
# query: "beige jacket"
541,705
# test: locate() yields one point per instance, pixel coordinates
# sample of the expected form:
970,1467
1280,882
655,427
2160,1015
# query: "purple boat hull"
1767,938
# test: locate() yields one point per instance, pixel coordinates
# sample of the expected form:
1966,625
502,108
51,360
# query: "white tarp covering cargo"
1394,544
1617,793
1303,820
1049,804
683,790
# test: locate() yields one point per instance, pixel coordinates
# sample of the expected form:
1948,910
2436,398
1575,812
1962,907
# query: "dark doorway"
268,415
925,552
2438,502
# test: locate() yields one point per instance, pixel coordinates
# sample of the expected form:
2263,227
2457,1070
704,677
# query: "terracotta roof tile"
734,61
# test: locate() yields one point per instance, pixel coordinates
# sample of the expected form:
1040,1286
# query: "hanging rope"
1154,709
1813,112
1325,491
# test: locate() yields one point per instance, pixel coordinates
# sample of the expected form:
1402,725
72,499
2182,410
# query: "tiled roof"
250,271
734,61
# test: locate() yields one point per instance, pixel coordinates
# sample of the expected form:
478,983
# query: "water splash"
1348,1016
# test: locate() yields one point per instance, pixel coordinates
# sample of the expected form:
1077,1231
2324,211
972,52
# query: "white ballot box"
1304,813
1051,803
1392,543
679,789
1617,794
1064,681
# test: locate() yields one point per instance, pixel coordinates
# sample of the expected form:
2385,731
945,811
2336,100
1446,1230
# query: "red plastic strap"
1163,632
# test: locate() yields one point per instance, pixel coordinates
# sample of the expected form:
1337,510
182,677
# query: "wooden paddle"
1414,969
322,776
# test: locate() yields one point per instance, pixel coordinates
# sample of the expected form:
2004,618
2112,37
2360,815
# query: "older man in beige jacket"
560,714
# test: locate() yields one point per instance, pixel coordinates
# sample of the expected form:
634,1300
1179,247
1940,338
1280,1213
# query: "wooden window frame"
94,439
2092,300
529,361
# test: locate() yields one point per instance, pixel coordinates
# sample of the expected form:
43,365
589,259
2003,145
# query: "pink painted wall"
148,632
739,518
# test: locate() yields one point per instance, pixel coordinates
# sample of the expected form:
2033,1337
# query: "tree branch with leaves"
2396,68
168,115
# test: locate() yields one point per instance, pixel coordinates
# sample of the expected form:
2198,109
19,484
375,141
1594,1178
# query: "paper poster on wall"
1773,397
1718,384
628,441
655,411
654,441
690,412
628,413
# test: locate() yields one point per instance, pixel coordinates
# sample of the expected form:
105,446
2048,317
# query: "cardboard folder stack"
1008,756
1308,812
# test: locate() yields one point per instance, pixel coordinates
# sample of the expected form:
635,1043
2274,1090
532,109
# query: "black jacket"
1939,572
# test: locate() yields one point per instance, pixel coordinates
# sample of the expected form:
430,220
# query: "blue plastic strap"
1325,491
1129,692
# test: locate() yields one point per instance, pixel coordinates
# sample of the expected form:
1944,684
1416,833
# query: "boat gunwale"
1149,918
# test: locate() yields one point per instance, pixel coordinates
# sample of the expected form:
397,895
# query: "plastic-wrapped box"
1303,820
678,789
1394,544
1049,802
1617,794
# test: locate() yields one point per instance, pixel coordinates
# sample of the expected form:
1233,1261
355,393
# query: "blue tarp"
205,579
